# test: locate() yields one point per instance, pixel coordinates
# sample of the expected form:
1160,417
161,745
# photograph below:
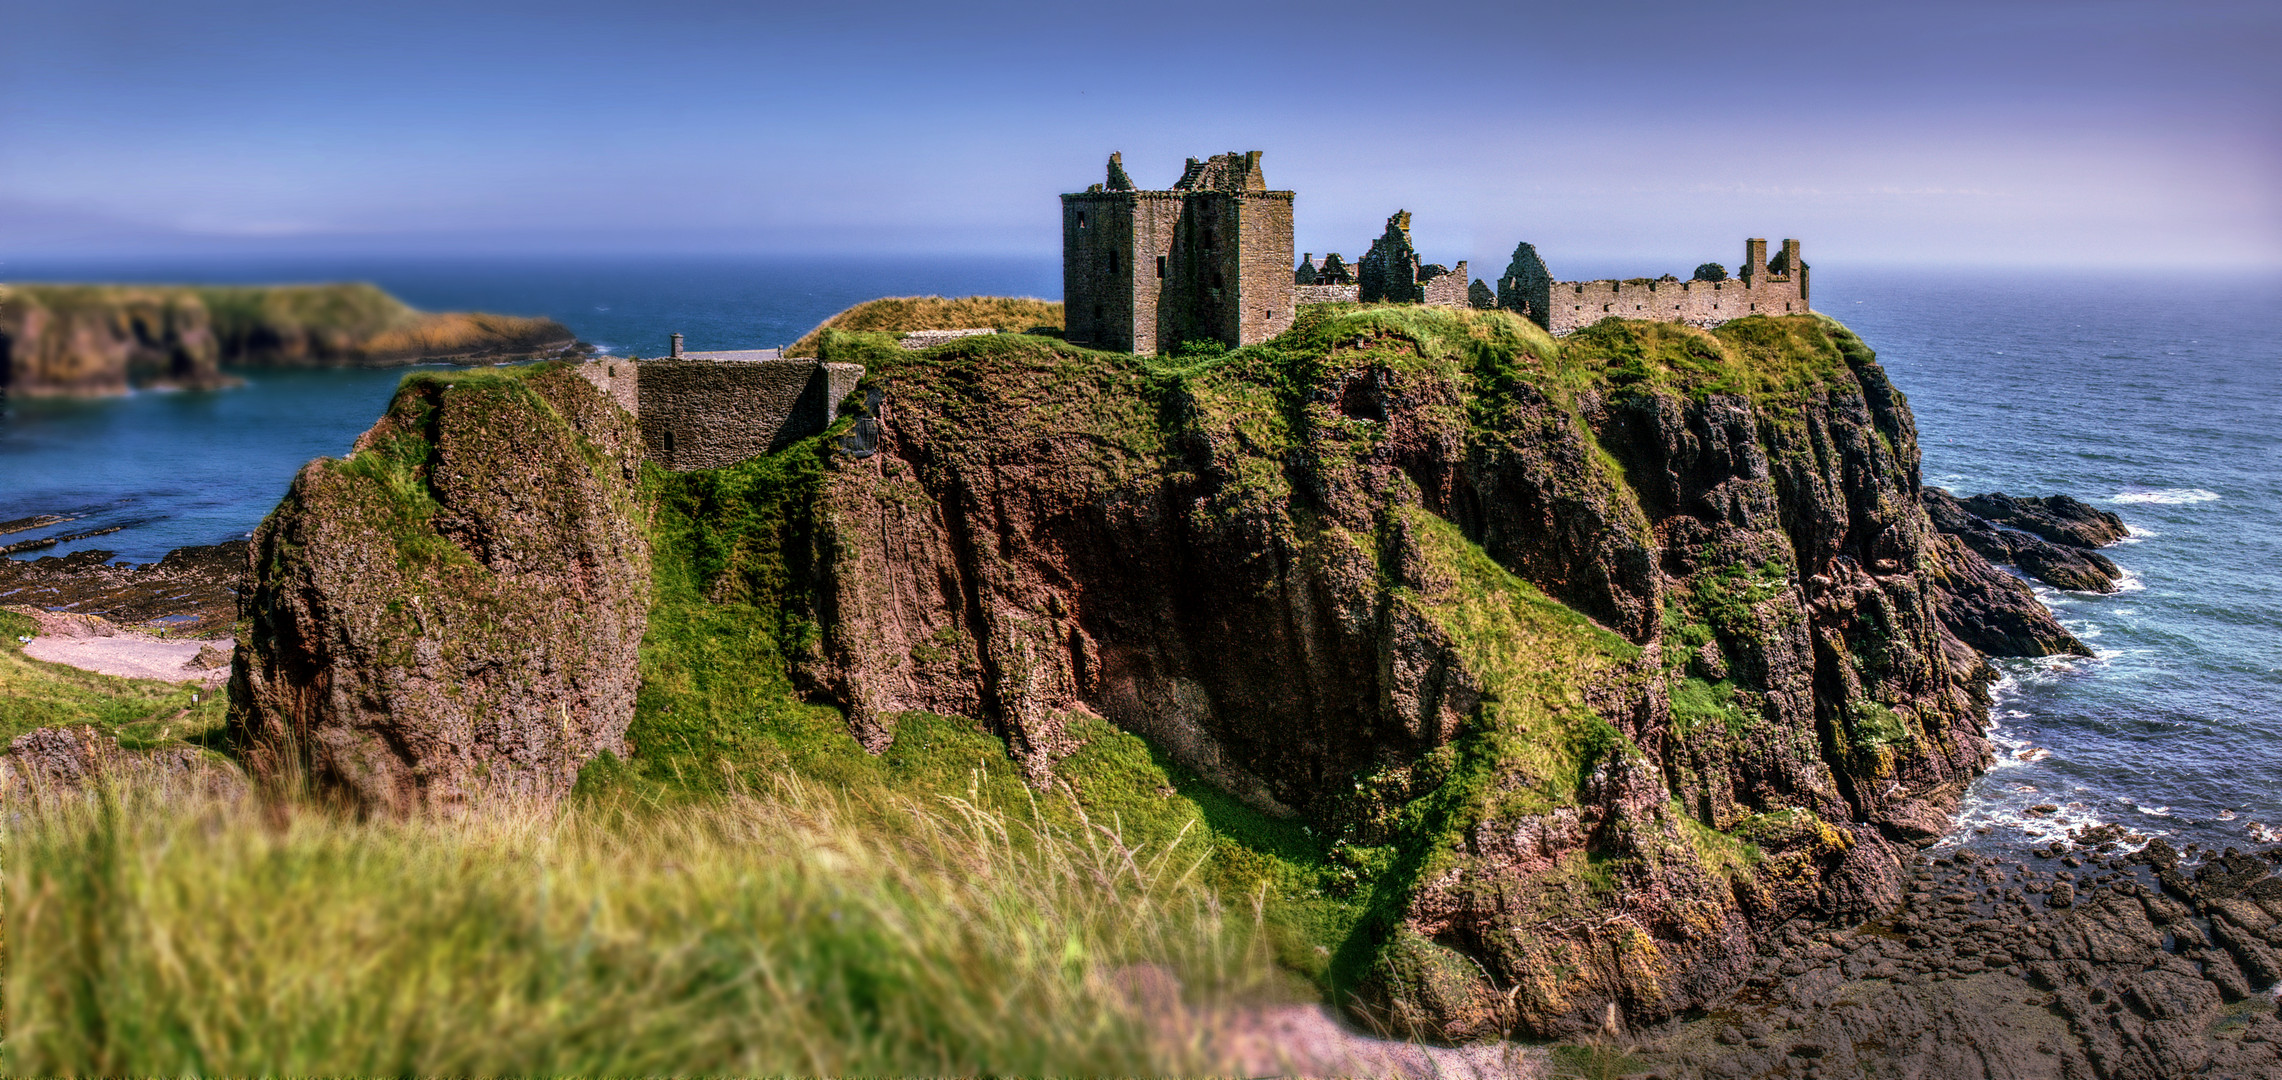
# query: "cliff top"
904,314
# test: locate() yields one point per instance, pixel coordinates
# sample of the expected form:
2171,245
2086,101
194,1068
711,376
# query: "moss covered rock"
453,612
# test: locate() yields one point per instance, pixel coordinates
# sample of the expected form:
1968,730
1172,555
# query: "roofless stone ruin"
1210,259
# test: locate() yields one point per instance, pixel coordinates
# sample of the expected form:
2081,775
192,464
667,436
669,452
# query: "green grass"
789,930
37,694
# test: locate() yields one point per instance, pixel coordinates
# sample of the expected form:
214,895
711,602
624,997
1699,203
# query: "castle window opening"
669,442
1113,260
1081,219
1208,244
1217,281
1160,267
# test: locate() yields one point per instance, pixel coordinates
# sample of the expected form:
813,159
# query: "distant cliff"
76,340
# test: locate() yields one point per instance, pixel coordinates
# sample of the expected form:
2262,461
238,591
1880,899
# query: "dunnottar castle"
1211,259
1143,271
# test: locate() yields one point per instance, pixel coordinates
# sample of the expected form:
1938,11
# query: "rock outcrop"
1342,576
1993,970
2050,539
452,613
56,762
82,340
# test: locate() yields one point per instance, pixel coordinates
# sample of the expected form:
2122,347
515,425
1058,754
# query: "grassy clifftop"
903,314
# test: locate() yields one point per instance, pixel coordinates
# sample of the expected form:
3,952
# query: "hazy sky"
2079,133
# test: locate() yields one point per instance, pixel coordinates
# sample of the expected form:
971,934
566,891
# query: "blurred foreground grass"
789,929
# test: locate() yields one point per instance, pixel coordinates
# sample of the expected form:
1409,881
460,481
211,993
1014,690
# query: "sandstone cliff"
1593,656
453,612
103,339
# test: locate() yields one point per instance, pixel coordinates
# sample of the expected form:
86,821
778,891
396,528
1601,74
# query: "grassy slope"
36,694
901,314
1327,898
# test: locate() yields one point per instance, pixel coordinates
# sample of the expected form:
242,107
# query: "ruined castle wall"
617,379
1264,304
1097,287
1577,304
1447,289
704,414
1326,294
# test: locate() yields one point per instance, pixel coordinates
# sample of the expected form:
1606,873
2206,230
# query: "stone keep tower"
1210,259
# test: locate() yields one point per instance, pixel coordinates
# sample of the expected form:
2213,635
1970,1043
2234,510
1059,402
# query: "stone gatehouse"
706,410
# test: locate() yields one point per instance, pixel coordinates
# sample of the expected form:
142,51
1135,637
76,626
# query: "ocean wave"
2166,496
2134,534
2129,582
2038,818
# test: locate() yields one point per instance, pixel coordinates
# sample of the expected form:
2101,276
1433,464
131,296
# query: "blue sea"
2155,397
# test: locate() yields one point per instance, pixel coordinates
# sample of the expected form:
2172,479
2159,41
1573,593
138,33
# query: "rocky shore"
192,591
2080,962
2053,539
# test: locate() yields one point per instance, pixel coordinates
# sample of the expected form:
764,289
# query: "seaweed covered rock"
1590,659
452,613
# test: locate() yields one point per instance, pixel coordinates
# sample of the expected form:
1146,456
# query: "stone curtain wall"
1578,304
1566,306
701,414
1327,294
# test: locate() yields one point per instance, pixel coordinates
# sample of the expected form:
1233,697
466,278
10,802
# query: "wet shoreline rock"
2050,539
191,591
1994,967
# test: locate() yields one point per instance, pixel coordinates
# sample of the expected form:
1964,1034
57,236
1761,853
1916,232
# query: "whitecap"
2153,811
2129,582
2166,496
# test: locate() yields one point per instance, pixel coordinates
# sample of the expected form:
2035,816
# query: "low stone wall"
707,414
1327,294
1447,289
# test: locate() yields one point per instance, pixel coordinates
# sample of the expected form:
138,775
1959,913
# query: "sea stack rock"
451,615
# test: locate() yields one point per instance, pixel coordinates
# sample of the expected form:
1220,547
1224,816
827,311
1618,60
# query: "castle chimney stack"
676,353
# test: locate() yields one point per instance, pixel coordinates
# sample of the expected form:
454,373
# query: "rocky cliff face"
82,340
453,612
1596,656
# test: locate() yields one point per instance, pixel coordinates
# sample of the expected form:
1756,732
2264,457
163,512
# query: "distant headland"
61,340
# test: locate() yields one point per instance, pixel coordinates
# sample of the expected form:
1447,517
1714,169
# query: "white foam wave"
2129,582
2166,496
2135,533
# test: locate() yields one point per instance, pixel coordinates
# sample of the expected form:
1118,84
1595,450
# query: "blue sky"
1991,133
